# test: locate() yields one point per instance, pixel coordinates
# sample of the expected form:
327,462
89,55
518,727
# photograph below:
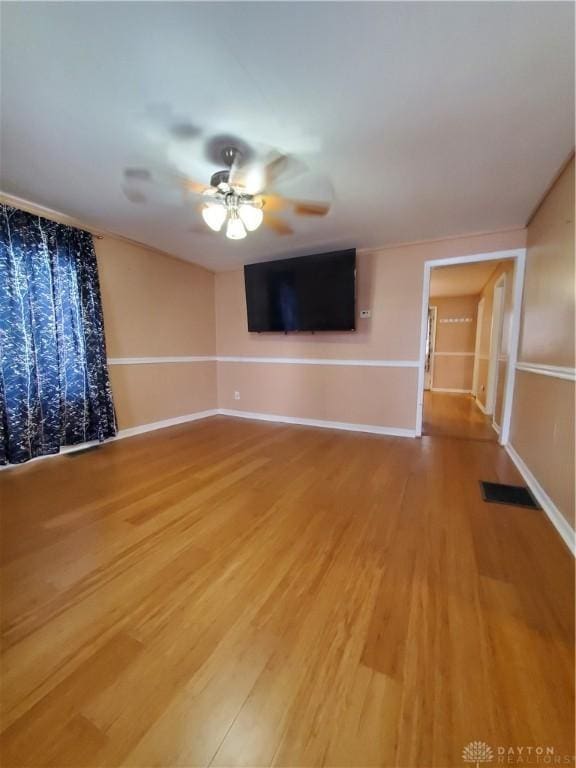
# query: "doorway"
469,339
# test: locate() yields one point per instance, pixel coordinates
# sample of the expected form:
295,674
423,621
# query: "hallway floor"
449,414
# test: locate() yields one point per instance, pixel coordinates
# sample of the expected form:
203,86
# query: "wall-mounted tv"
307,293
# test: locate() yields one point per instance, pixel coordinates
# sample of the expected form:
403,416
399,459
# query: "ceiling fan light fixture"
214,216
251,216
235,229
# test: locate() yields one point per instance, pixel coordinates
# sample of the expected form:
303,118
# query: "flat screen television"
307,293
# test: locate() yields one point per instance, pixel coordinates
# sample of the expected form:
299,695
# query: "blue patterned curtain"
54,385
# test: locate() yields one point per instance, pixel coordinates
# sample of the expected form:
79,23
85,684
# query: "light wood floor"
239,593
455,415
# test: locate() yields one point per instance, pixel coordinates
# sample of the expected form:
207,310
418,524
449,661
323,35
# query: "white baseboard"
453,391
482,408
131,431
344,425
554,515
496,427
142,428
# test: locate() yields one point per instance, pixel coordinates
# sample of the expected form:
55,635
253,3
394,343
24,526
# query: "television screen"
308,293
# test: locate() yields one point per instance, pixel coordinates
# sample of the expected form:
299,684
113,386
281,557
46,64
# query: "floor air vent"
513,495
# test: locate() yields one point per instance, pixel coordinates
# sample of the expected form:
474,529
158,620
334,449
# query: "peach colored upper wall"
455,337
547,334
154,305
389,283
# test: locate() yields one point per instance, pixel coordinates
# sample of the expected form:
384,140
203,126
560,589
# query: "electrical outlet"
365,313
236,395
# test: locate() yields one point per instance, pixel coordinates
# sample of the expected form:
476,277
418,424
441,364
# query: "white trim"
320,361
346,426
477,345
473,258
453,354
554,515
496,427
496,328
479,404
272,360
514,344
519,255
557,371
450,389
159,360
150,427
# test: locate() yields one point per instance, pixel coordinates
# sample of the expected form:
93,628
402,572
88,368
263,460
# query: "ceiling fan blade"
190,185
140,177
281,166
236,177
277,224
302,208
273,203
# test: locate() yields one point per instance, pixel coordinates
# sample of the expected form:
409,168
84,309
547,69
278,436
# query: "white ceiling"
426,119
461,279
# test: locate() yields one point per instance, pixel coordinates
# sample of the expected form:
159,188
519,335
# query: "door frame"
434,309
477,345
496,328
519,256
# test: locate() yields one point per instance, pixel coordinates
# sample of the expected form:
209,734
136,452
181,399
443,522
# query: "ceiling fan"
238,198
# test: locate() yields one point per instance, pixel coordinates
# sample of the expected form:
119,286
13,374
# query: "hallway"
455,415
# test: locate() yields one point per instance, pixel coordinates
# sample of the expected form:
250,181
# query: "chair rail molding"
556,371
263,360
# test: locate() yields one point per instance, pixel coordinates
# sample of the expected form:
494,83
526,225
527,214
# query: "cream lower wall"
453,372
381,397
542,434
153,392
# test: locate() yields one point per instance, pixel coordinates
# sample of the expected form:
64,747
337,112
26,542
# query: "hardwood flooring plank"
235,593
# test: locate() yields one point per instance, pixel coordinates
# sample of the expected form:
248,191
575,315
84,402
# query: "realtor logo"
477,752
